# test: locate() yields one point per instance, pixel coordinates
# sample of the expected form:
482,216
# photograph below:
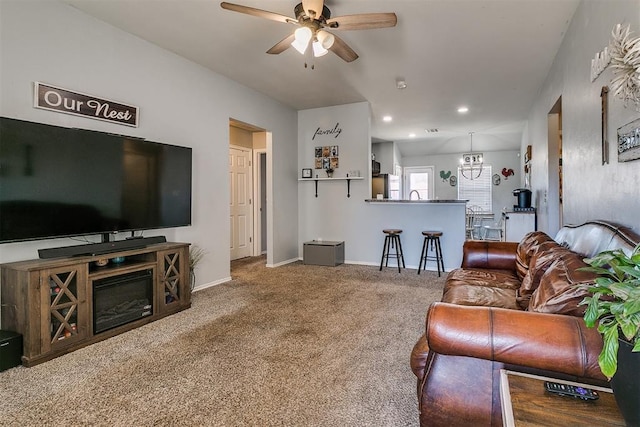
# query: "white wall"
180,103
385,154
591,190
334,216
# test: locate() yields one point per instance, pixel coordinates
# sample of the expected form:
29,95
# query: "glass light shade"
302,37
325,39
318,50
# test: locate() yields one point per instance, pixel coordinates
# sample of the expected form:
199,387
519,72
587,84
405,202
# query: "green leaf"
631,271
632,305
621,290
591,314
628,328
608,358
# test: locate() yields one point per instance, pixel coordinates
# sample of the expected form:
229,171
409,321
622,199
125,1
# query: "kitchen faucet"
411,193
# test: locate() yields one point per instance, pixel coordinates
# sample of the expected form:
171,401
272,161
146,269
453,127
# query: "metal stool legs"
431,242
392,241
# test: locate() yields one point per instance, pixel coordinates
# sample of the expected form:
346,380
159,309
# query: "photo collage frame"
327,157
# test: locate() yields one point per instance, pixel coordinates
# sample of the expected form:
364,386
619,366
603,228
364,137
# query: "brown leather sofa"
510,306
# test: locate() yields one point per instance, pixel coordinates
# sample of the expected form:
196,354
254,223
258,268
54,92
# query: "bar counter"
413,217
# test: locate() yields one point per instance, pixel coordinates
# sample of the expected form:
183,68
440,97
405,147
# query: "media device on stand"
99,248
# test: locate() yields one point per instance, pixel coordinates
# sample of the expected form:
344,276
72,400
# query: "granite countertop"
416,201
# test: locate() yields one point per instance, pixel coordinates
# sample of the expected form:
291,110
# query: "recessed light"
412,135
463,109
387,118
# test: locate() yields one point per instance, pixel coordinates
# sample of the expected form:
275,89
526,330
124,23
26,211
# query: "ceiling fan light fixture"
302,37
326,39
319,50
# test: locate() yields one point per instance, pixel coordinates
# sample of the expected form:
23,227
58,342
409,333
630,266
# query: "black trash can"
524,197
10,349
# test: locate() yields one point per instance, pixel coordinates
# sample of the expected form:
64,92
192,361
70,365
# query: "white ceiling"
489,55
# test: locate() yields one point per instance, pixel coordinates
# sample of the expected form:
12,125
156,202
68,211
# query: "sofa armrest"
487,254
550,342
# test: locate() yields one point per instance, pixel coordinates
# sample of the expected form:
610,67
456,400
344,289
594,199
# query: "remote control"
571,391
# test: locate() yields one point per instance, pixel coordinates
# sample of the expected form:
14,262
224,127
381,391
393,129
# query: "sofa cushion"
560,289
543,256
482,287
526,248
486,296
483,277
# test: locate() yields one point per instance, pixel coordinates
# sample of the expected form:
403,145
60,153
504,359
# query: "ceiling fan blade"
343,50
363,21
313,8
282,45
257,12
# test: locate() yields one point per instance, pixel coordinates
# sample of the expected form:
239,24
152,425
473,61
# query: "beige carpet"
290,346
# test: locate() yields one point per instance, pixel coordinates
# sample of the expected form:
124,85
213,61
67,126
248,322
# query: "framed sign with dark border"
306,173
53,98
629,141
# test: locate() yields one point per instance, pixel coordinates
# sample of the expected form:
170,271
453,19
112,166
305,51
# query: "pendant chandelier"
471,163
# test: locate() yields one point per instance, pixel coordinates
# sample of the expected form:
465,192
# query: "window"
478,190
419,181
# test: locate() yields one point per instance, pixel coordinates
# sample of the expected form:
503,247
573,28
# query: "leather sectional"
510,306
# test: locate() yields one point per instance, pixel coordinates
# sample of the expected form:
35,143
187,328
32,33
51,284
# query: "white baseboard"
211,284
289,261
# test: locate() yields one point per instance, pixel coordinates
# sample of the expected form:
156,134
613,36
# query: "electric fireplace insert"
122,299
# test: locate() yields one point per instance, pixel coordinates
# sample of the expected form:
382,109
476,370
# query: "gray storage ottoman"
323,252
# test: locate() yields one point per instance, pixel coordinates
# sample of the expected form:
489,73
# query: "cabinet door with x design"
174,292
64,316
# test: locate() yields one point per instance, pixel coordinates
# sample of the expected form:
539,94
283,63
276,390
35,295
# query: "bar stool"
431,238
392,240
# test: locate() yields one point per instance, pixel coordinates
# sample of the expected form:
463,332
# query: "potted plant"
196,254
614,307
329,171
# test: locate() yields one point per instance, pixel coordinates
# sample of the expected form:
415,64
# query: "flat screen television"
60,182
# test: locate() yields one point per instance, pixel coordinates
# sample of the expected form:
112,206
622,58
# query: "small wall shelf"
342,178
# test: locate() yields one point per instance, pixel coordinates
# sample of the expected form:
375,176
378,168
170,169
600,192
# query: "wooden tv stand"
50,301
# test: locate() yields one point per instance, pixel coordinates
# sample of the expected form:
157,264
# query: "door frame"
408,170
553,194
257,199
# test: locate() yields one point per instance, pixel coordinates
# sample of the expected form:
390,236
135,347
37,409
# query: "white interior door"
241,221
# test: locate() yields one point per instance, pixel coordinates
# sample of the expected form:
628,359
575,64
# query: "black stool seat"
431,242
392,241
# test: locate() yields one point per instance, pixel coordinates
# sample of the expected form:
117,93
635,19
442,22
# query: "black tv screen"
57,182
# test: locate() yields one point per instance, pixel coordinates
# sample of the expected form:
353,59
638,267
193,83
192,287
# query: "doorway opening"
554,192
248,218
419,182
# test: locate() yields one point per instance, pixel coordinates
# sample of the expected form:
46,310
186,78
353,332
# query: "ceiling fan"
313,18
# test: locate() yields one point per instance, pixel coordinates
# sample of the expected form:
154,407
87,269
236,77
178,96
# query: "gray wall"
180,103
591,190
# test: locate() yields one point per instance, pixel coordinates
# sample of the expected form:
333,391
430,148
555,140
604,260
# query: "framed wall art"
327,157
629,141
